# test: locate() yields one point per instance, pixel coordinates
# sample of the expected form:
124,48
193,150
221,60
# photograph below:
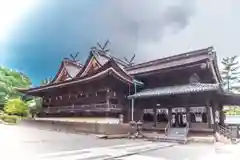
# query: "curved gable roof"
67,69
101,59
111,64
92,62
109,68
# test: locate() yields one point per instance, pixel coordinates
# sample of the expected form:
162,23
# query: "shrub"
35,106
9,118
16,107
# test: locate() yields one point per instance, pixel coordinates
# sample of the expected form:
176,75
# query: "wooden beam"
188,116
209,115
154,116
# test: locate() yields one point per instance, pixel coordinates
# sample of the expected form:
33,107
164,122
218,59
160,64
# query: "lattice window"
179,110
148,111
163,111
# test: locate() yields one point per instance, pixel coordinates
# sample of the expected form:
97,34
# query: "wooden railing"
225,131
91,107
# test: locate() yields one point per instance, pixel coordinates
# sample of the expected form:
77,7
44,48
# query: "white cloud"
10,12
215,23
139,25
166,27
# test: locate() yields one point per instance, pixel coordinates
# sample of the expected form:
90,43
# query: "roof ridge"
118,60
174,57
78,64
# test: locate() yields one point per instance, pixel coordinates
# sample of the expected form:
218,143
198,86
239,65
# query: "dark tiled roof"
111,67
174,90
71,67
72,70
172,58
173,61
101,59
171,64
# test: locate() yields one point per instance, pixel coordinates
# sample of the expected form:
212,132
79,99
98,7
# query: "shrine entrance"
179,117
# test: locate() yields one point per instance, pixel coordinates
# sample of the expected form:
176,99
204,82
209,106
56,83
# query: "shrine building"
183,90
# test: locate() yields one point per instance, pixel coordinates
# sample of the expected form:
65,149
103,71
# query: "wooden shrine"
181,90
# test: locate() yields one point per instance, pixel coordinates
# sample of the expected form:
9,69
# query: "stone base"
208,139
78,127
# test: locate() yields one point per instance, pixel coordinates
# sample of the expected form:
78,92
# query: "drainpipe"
135,91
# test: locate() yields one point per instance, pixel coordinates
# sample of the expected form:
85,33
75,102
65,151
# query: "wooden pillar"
136,111
126,114
187,107
141,114
126,110
138,114
129,111
222,116
107,102
214,109
238,129
155,116
209,120
188,115
169,114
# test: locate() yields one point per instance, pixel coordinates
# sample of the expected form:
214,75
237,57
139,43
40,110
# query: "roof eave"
146,94
172,58
58,72
79,80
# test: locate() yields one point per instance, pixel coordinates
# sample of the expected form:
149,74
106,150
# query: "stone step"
177,131
172,140
178,135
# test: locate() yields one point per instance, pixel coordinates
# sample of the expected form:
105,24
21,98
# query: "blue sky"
35,35
45,35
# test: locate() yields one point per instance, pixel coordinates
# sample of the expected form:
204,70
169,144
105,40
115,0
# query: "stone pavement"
110,152
28,143
133,151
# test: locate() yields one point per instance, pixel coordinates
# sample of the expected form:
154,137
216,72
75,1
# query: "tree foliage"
35,106
9,80
232,110
16,107
230,72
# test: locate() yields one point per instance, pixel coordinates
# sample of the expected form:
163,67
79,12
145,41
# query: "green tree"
16,107
230,73
9,80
